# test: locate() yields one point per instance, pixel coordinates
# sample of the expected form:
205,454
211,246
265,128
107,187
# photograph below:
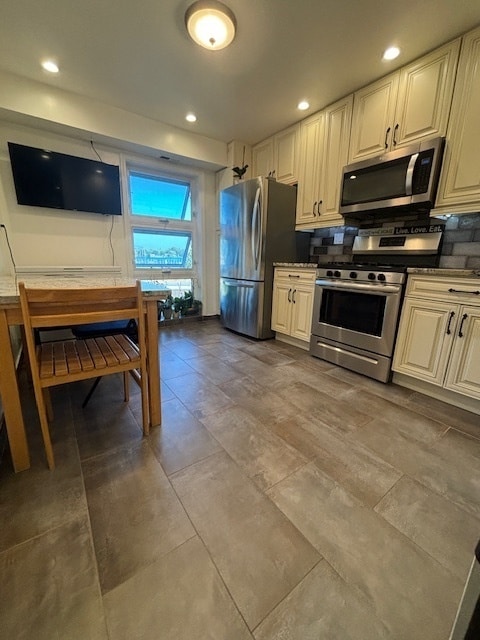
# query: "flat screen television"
45,178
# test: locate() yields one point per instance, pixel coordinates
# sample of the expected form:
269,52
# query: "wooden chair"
57,363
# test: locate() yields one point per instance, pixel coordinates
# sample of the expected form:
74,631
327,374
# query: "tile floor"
283,498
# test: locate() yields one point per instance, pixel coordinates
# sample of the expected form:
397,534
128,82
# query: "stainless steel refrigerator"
257,228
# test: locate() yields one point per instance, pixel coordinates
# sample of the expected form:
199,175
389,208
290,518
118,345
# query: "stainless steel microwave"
406,179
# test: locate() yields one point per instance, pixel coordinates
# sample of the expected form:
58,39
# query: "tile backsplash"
460,248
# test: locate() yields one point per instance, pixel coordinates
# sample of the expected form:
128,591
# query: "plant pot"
167,314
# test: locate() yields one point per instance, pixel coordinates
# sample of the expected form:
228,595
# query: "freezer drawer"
244,307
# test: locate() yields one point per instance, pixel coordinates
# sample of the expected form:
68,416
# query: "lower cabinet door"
281,303
463,375
302,307
424,339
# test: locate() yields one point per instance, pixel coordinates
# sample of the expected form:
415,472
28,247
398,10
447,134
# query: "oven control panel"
361,273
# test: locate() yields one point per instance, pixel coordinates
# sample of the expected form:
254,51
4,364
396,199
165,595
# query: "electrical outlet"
338,238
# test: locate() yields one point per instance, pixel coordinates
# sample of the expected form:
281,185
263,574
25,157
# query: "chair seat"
82,359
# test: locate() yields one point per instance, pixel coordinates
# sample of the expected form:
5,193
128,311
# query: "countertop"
296,265
452,273
9,285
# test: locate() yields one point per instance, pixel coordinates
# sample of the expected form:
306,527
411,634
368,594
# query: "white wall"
46,237
46,107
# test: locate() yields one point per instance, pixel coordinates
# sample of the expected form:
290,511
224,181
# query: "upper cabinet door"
338,120
286,155
276,157
460,180
262,159
373,116
425,95
311,142
409,105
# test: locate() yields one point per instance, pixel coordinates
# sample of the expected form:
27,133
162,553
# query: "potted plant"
167,307
178,306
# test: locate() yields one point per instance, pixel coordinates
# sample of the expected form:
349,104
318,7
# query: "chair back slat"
67,307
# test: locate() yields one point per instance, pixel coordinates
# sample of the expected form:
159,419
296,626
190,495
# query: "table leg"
11,400
153,360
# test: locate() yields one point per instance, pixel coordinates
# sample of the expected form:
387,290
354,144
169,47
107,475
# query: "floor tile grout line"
287,595
208,550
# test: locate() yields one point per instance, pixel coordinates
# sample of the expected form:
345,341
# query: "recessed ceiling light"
191,117
303,105
391,53
50,66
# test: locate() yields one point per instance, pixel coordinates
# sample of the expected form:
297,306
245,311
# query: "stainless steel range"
357,305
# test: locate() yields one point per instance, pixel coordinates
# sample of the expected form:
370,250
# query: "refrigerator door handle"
243,285
256,228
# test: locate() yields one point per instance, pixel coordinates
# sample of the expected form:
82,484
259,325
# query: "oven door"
361,315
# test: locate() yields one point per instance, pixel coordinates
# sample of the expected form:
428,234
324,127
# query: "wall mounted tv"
45,178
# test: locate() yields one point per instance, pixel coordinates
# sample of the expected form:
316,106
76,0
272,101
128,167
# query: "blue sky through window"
159,197
160,249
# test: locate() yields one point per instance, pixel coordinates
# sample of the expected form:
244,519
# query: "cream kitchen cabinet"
277,156
310,167
459,189
292,303
336,137
409,105
324,150
439,333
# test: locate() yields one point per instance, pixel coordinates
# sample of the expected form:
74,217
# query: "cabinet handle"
289,292
318,207
386,137
273,173
313,210
293,296
452,315
474,293
395,134
464,317
291,275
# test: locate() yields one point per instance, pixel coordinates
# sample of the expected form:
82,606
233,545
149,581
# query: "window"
162,227
162,249
157,196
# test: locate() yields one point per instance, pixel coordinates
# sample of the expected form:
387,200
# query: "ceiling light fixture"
210,24
50,66
303,105
191,117
391,53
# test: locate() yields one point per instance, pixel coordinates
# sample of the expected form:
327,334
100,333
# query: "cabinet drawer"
456,290
296,276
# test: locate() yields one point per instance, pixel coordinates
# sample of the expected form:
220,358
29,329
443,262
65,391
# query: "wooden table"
10,315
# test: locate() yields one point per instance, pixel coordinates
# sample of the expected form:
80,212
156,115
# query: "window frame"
163,224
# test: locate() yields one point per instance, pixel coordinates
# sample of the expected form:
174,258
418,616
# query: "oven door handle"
359,287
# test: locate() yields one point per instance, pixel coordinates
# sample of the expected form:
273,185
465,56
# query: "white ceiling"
136,55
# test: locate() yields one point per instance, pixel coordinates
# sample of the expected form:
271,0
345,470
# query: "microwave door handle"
410,172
